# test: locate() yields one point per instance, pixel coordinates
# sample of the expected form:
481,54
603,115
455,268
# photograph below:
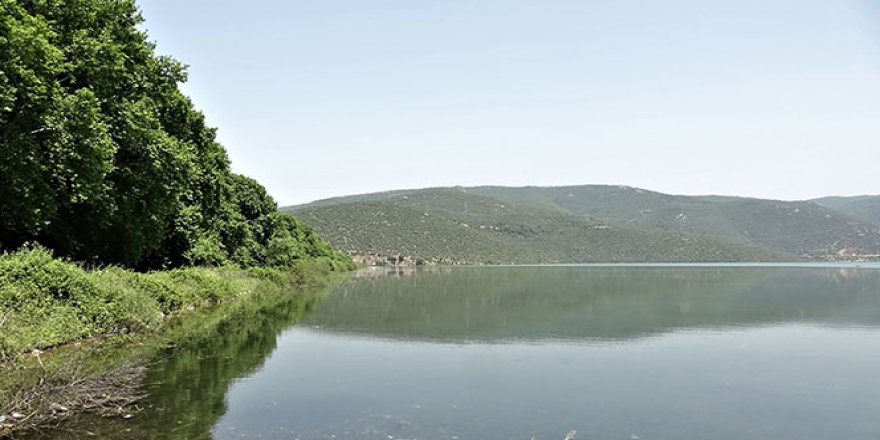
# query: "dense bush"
103,159
45,301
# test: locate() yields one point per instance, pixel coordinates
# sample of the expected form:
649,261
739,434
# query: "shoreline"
104,374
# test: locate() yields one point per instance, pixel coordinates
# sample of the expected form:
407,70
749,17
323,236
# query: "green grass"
46,301
235,336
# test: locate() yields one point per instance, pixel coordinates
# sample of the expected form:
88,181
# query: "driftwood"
70,390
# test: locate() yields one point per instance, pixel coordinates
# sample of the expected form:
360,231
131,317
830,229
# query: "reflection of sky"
791,381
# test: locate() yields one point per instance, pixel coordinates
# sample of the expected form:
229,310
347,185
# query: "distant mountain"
804,229
590,223
866,208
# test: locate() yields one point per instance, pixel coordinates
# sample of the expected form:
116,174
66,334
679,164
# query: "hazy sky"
322,98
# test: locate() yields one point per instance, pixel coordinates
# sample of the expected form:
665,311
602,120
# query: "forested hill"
103,159
866,208
589,223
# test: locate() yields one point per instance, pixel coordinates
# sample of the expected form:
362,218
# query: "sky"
322,98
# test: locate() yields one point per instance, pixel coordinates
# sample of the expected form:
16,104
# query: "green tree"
103,159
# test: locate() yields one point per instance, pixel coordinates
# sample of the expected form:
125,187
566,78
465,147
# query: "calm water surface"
508,353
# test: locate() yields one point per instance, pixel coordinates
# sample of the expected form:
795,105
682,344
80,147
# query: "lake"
614,352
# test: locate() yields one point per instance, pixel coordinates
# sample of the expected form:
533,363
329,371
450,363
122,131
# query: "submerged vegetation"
202,350
106,325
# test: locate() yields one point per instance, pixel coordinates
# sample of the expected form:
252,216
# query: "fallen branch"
70,390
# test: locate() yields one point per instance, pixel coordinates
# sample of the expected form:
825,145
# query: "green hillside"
866,208
388,228
455,224
591,223
804,229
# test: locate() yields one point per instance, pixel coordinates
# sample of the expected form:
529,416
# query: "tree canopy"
102,158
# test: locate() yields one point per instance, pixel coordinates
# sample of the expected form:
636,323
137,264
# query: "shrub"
46,300
130,307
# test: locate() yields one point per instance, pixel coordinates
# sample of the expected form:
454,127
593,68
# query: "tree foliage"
103,159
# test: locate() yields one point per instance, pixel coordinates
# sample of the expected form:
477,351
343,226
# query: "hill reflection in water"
501,304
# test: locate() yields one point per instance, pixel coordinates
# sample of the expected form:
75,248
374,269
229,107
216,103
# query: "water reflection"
577,303
191,377
484,353
662,353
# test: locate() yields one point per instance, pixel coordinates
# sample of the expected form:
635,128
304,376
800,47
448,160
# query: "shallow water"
618,352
